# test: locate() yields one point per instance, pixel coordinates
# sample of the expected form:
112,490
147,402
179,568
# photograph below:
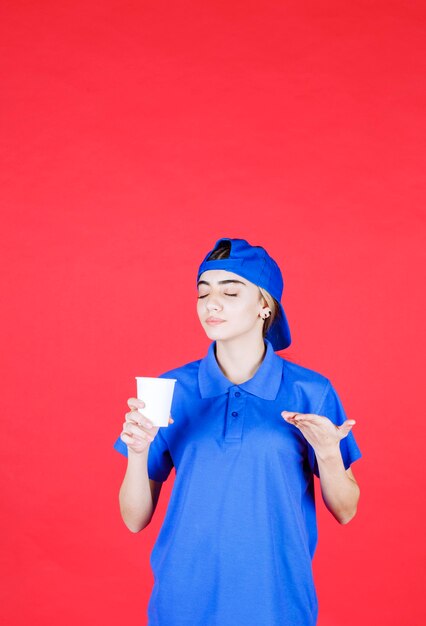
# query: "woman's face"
232,300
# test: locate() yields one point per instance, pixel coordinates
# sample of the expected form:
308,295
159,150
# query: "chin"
214,333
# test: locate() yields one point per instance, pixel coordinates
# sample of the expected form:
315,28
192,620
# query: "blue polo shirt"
239,533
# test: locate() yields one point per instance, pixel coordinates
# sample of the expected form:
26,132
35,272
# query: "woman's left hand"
319,431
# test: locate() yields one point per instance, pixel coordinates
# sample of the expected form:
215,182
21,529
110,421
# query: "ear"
262,301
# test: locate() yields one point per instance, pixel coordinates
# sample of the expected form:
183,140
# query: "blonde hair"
222,252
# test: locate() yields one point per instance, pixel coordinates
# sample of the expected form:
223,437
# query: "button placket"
235,415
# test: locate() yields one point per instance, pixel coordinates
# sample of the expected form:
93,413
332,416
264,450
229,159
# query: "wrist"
133,454
328,453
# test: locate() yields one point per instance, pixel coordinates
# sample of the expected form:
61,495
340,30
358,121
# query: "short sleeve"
331,407
160,462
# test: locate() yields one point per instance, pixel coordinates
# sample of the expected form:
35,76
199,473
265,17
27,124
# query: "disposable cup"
157,394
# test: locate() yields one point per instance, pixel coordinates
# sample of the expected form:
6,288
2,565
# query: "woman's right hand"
138,431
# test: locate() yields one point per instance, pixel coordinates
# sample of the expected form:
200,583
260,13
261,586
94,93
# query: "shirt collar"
264,384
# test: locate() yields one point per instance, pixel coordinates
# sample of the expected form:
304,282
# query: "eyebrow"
221,282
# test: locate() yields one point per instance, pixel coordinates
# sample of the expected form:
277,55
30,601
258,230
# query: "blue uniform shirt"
239,534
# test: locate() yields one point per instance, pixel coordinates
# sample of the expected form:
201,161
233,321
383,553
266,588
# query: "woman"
249,431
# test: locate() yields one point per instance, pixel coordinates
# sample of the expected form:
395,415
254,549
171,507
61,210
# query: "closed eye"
226,294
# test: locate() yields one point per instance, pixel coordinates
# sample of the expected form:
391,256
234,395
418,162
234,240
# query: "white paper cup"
157,393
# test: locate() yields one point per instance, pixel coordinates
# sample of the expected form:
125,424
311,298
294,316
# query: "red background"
136,134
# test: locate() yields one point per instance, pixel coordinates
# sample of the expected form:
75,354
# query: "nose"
212,306
212,303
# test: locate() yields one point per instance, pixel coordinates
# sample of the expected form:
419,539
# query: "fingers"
345,428
292,417
289,414
303,417
135,403
135,415
136,422
138,418
138,429
300,416
133,443
309,417
133,431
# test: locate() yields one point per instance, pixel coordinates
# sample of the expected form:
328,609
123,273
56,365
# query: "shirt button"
234,414
237,394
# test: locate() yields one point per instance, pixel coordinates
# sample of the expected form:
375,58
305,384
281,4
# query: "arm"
138,495
339,489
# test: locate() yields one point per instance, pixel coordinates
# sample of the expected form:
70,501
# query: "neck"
239,359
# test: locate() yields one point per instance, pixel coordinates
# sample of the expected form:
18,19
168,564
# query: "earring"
264,317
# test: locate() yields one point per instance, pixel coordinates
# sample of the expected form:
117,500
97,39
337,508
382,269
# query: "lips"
214,320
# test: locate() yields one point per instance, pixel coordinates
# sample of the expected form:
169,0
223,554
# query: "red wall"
136,134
